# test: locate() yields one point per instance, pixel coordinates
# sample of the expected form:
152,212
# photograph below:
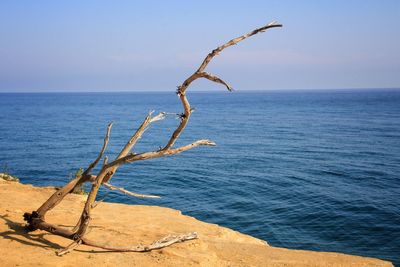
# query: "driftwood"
36,219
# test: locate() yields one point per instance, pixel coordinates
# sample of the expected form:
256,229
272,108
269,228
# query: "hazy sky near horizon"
53,46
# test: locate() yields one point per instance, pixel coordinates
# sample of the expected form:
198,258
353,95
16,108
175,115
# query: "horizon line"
207,91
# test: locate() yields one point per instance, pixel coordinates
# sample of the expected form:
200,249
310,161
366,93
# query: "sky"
85,46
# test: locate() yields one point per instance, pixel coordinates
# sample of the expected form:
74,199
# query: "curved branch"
234,41
214,78
200,73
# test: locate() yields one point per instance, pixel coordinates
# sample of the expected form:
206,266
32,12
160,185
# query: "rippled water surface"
314,170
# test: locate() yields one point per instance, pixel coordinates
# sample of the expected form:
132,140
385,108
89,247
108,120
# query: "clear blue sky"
50,46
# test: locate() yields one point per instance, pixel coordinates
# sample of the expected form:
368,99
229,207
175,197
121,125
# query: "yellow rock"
125,225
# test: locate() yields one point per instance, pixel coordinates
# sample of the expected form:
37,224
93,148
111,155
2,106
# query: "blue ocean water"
315,170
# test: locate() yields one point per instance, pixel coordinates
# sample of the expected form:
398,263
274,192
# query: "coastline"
122,224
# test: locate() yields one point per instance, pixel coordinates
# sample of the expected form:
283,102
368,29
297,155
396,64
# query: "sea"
303,169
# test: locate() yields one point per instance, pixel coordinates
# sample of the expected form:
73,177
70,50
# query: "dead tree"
36,219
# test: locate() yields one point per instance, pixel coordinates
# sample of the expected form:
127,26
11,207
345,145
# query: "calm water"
303,169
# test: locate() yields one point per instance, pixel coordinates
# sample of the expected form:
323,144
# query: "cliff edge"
125,225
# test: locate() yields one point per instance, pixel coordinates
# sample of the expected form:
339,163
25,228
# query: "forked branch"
36,219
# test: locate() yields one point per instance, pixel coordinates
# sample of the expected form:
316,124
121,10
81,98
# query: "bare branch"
135,137
214,78
181,149
56,197
138,134
111,187
103,149
234,41
200,73
133,140
84,220
58,230
164,242
160,153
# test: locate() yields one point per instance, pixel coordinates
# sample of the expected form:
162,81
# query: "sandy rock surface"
125,225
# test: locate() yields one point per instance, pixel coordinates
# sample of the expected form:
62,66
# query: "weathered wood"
36,219
129,193
164,242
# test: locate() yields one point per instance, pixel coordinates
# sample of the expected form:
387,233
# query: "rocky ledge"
124,225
